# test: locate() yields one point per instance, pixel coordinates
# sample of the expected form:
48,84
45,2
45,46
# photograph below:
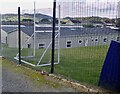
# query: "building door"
29,45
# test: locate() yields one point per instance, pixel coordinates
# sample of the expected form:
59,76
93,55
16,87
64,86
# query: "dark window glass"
68,44
118,38
105,40
80,41
41,45
29,45
96,40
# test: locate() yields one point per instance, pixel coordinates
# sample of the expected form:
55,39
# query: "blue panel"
110,74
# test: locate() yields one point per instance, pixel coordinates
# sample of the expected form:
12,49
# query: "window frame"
96,39
67,43
41,46
104,40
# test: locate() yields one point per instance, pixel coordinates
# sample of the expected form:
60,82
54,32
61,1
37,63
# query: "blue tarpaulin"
110,74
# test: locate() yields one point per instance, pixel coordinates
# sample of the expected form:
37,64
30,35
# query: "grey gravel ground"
18,82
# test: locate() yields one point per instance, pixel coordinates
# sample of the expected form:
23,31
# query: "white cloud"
103,9
11,6
101,0
85,7
108,0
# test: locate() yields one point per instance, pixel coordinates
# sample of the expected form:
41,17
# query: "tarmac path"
21,79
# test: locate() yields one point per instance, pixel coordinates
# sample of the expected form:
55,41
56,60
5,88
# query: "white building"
69,37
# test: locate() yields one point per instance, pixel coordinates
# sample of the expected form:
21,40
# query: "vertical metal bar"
59,34
118,18
53,36
19,35
0,55
0,32
34,28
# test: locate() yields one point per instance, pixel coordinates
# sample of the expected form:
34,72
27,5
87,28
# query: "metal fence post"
53,36
19,35
0,34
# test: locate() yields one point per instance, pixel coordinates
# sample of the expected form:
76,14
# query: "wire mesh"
0,58
0,36
9,25
83,51
85,36
36,45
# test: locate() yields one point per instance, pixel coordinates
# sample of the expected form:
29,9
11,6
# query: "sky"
83,7
102,8
8,6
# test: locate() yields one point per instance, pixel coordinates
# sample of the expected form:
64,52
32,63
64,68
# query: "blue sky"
104,8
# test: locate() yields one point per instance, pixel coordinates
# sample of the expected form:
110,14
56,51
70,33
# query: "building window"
69,43
96,40
41,45
105,39
80,41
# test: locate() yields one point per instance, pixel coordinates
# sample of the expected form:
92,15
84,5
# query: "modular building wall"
79,41
13,40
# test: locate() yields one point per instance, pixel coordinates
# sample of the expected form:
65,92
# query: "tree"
45,20
88,26
27,20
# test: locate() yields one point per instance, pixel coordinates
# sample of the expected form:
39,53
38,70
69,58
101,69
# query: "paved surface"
18,82
13,82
